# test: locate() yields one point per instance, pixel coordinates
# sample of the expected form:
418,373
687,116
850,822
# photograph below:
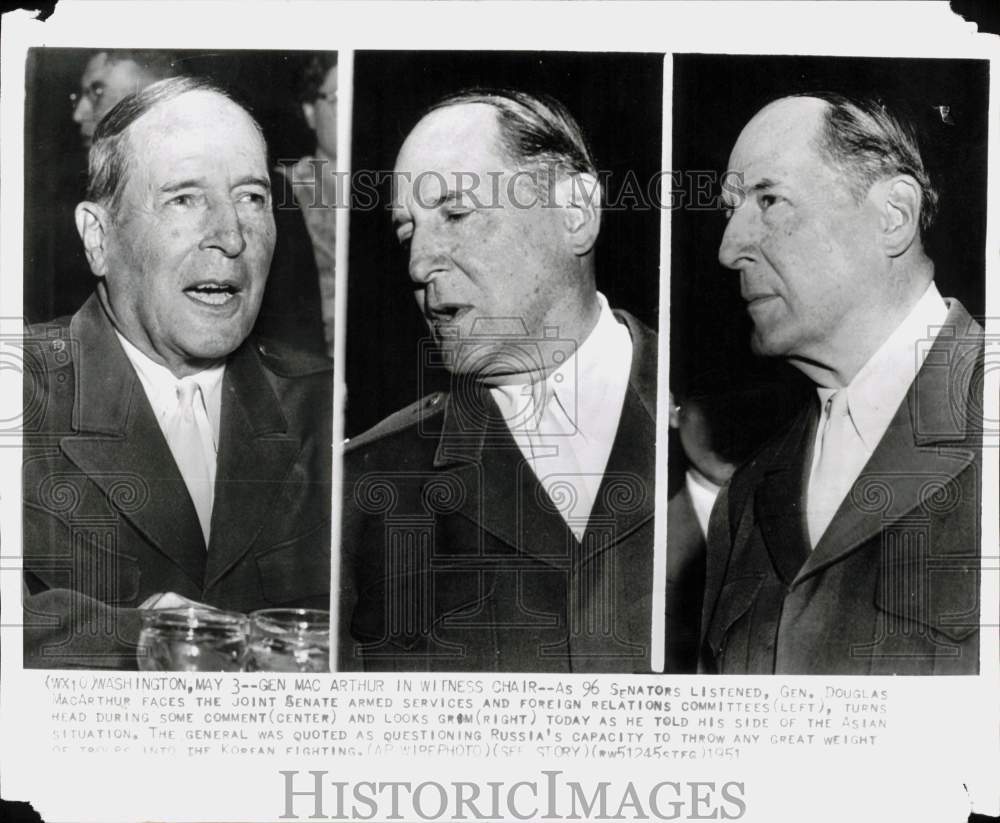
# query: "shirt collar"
581,383
876,391
160,384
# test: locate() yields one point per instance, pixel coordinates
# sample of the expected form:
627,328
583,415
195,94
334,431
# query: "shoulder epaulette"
48,345
400,420
287,360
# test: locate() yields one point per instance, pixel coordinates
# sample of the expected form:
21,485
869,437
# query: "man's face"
806,252
487,260
188,256
102,86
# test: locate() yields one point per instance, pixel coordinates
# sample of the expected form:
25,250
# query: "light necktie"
835,471
550,434
189,435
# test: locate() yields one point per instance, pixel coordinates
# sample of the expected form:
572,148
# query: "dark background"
616,98
56,277
714,97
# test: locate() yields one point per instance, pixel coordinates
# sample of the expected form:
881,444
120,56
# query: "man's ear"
309,112
899,206
579,196
92,221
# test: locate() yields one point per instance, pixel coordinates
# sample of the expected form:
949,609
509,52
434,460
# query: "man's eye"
182,200
455,216
404,239
254,198
765,201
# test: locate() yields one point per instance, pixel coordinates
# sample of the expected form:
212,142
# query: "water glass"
192,640
289,640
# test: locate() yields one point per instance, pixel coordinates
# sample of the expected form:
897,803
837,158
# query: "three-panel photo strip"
518,487
553,384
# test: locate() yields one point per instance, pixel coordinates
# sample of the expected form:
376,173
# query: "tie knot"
187,390
525,404
836,405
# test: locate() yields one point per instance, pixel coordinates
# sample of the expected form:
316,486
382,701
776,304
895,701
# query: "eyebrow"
761,185
450,196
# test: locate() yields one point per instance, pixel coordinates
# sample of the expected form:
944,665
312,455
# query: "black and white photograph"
496,411
827,364
178,378
501,362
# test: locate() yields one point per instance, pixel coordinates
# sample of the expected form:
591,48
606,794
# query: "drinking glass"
192,640
289,640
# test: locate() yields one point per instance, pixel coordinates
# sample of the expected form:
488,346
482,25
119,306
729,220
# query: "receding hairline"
441,112
787,105
187,94
160,106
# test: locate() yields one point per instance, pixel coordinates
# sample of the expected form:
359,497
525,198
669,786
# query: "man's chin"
765,345
213,350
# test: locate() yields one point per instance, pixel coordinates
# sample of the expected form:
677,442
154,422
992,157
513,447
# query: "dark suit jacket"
108,520
455,558
893,585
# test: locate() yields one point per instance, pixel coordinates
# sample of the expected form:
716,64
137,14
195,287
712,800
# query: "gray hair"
110,154
534,129
867,142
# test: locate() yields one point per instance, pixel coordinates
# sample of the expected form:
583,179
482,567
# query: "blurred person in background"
313,177
720,420
111,75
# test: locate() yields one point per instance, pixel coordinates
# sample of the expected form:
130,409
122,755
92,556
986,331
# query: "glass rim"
193,617
311,621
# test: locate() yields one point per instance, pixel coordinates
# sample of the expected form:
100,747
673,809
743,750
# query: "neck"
179,367
861,335
573,326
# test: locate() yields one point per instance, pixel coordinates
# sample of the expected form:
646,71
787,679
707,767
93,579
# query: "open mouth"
212,293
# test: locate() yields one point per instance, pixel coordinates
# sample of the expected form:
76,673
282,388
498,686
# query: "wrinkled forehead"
456,145
202,119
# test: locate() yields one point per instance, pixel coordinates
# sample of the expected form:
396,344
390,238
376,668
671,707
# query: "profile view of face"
804,248
104,84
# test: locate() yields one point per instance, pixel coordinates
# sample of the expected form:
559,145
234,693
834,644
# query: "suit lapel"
120,447
930,440
255,456
778,503
625,496
501,494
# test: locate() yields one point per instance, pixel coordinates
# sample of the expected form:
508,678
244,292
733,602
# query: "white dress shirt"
703,494
875,393
160,386
565,425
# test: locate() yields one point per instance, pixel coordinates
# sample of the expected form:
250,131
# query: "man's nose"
82,106
223,230
737,240
427,257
